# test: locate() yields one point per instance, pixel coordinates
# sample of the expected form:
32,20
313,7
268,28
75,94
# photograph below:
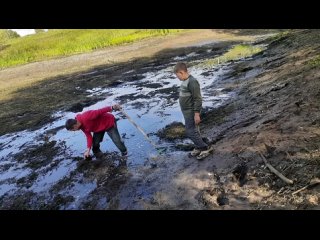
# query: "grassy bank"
55,43
236,52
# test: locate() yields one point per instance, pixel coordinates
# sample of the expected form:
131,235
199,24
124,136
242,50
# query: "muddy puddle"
43,169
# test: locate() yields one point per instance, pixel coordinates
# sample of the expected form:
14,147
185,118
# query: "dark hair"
70,123
180,66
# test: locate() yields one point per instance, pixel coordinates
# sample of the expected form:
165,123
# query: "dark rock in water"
244,69
115,83
208,73
133,78
240,172
153,85
222,199
78,107
153,165
175,130
227,90
185,147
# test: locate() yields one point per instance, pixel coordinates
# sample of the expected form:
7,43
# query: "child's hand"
197,119
116,107
86,153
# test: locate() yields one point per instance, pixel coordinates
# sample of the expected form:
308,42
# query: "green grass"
57,43
236,52
315,62
280,35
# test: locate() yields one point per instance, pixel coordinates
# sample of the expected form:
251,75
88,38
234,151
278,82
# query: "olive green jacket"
190,98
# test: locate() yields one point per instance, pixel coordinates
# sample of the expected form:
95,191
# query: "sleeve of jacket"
93,114
194,87
89,138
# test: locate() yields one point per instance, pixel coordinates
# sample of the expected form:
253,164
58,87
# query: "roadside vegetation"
15,50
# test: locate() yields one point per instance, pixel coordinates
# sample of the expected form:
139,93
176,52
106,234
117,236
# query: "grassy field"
56,43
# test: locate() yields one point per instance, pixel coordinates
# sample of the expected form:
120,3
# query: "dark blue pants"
113,134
